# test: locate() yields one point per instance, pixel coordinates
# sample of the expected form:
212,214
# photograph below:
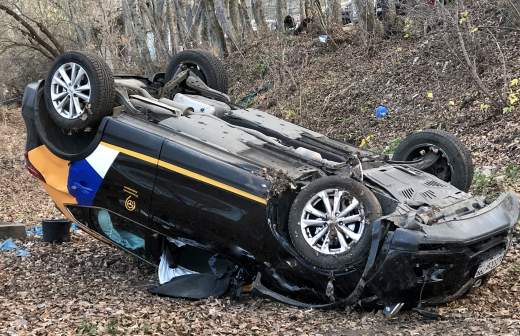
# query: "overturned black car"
222,197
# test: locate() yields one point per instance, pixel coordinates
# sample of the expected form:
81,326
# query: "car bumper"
439,263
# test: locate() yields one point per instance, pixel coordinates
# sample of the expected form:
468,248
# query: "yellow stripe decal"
131,153
186,172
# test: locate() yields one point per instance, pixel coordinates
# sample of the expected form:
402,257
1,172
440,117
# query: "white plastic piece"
166,273
195,104
201,104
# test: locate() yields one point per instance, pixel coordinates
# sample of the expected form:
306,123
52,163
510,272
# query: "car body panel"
55,171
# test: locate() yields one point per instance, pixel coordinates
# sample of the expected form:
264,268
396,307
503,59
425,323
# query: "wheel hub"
332,221
70,90
442,167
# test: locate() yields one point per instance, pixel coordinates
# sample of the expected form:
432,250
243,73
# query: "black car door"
204,198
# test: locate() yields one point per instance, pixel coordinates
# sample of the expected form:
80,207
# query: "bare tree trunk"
335,17
217,34
234,17
328,10
247,29
308,9
367,16
181,22
227,25
258,13
172,17
134,31
202,29
302,10
154,12
194,32
222,15
281,12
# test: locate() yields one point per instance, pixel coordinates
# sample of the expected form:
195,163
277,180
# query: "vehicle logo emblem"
130,200
130,203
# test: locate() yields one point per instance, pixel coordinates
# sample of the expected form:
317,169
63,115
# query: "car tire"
336,258
209,68
88,81
455,155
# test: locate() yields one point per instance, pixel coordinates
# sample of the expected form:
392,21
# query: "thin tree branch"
515,8
13,44
471,64
53,51
45,31
504,67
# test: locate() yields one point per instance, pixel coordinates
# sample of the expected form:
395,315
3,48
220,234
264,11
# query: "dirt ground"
85,287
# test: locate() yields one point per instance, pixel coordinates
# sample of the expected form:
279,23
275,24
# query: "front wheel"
329,222
454,163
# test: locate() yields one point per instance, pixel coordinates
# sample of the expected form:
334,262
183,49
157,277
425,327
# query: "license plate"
490,264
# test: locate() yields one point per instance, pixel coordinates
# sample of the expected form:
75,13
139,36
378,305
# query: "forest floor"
85,287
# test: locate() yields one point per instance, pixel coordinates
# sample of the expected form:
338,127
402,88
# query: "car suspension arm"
424,163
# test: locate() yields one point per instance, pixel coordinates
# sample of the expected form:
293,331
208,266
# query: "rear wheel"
454,164
79,90
206,66
329,222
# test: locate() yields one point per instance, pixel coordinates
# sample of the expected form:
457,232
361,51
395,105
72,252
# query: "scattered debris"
381,112
324,38
279,181
10,245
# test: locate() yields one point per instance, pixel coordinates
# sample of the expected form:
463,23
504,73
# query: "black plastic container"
56,230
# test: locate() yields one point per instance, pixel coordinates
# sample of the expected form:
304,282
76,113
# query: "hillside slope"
335,90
